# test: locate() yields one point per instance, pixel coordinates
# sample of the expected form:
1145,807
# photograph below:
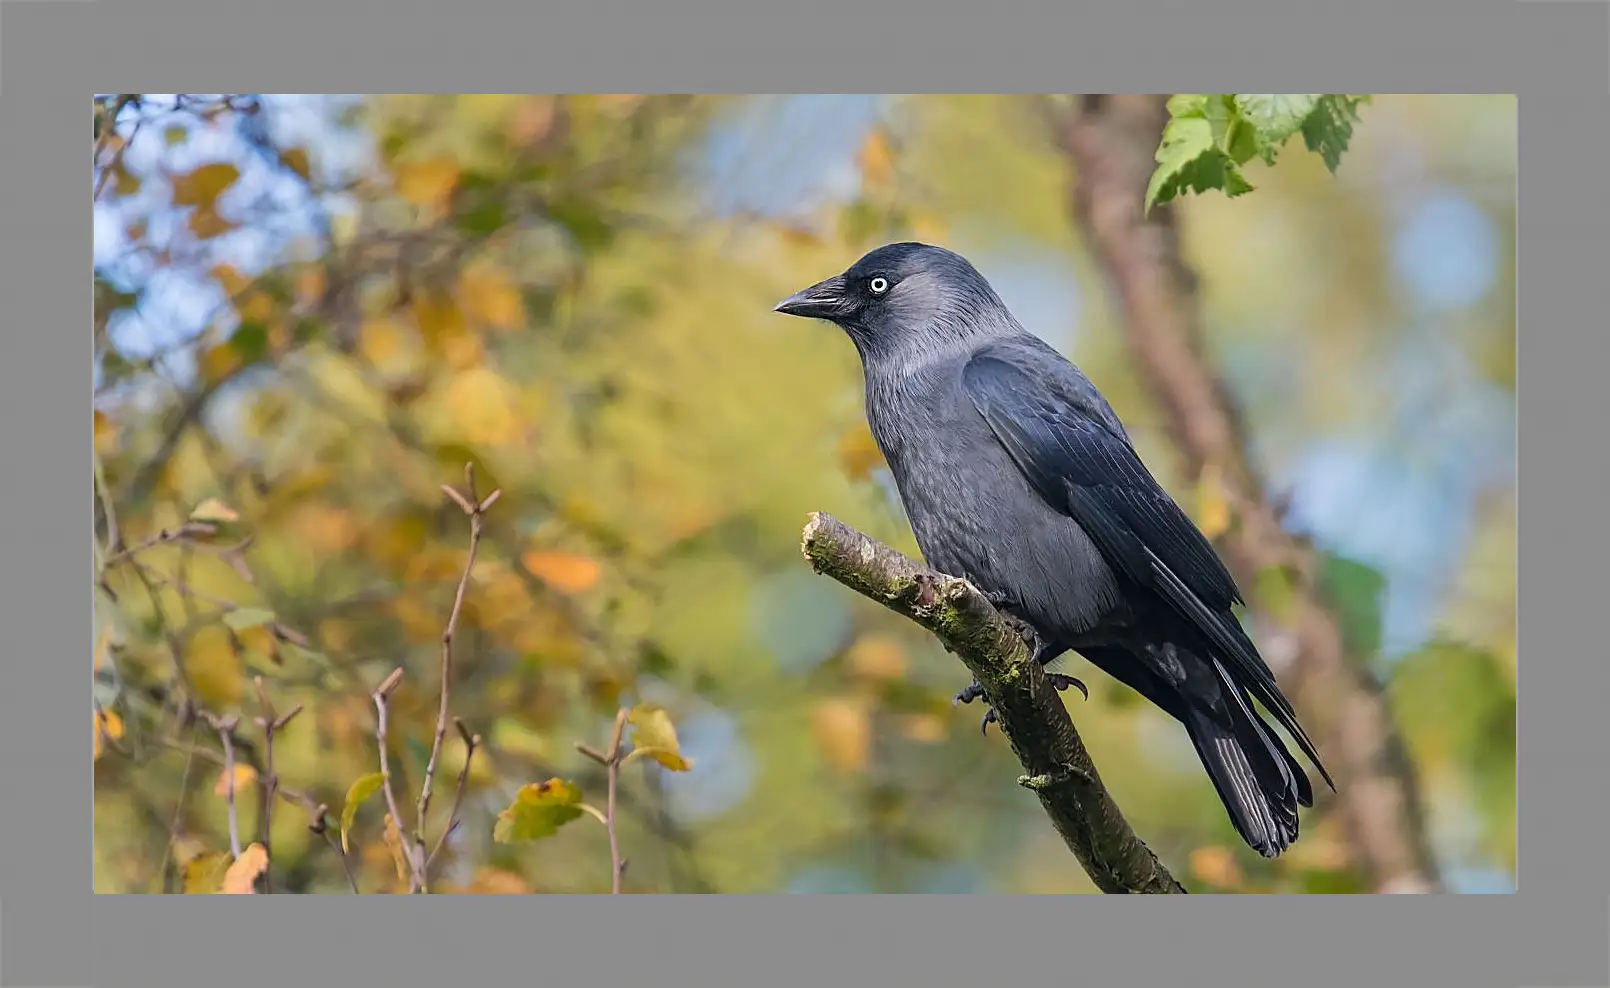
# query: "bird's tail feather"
1257,779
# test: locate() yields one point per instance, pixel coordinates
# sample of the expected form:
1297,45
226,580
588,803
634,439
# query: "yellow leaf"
843,732
219,362
213,509
107,725
877,657
245,775
428,183
877,158
296,160
1212,503
389,346
563,571
439,317
204,873
242,874
205,223
203,186
859,453
213,668
538,811
491,297
393,842
654,735
361,789
483,406
105,433
1216,866
230,279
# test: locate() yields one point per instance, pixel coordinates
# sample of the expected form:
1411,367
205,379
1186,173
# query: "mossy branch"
1057,768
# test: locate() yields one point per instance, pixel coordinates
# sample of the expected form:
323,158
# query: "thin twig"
188,530
271,724
226,734
123,100
321,826
475,509
617,867
178,817
381,694
471,742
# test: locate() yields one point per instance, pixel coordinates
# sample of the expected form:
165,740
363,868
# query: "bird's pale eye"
878,285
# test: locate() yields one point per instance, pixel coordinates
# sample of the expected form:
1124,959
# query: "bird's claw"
1062,683
968,695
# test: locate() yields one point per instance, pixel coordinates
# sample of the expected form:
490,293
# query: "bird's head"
902,298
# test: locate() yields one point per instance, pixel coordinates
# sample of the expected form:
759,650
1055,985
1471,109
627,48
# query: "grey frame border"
1552,933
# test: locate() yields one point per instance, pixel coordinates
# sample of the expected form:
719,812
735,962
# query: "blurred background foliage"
310,312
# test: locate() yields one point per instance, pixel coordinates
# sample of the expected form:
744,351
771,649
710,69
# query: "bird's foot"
968,695
1062,683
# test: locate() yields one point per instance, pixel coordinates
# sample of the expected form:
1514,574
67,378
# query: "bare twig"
471,742
271,724
321,826
123,100
1030,711
476,510
178,818
617,867
381,695
189,530
1109,142
226,734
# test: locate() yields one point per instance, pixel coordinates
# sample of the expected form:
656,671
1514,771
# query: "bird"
1017,475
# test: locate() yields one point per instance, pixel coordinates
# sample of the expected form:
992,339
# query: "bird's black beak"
823,300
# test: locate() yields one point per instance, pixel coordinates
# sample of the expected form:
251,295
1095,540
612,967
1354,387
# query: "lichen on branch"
1057,768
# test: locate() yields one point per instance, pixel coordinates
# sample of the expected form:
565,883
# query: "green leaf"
1275,116
1329,128
538,811
250,341
1196,153
174,135
361,789
1354,590
248,617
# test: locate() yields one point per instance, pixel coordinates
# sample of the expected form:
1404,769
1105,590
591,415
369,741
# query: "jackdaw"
1018,476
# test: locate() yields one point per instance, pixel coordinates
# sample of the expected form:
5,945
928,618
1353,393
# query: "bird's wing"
1085,469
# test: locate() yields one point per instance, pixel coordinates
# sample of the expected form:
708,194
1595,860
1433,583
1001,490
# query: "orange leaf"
563,571
242,874
205,223
105,433
843,732
245,775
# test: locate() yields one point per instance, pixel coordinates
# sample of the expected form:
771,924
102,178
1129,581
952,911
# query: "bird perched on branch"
1017,475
